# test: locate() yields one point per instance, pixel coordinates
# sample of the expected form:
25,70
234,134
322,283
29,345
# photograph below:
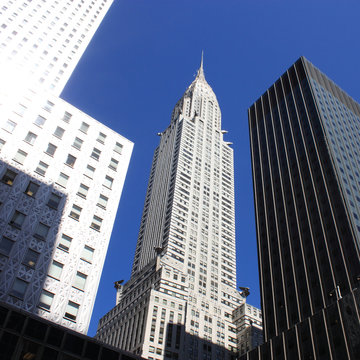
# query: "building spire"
200,73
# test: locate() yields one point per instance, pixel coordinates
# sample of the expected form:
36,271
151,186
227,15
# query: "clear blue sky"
146,53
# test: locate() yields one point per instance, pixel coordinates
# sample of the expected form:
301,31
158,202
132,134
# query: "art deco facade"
61,171
305,148
182,292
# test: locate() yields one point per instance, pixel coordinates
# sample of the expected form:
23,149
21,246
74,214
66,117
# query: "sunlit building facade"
180,299
61,171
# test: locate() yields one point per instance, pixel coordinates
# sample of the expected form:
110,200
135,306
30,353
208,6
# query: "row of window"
54,199
31,257
59,132
19,289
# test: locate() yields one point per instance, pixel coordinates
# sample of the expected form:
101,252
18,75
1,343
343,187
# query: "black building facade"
305,148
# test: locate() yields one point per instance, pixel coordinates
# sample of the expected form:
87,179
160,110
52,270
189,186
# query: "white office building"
180,299
61,171
41,41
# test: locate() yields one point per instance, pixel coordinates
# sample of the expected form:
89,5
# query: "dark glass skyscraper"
305,148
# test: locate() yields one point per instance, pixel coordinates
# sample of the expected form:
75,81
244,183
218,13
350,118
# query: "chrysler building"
182,293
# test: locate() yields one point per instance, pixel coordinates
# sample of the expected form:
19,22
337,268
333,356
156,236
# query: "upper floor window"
102,202
80,281
75,212
113,164
51,148
40,121
32,189
84,127
17,219
54,201
41,168
41,231
62,179
19,288
101,138
65,242
118,148
89,171
6,245
83,191
72,310
10,126
96,223
20,156
108,182
87,254
59,132
96,154
30,138
70,160
55,269
46,299
67,116
9,177
48,106
77,143
31,258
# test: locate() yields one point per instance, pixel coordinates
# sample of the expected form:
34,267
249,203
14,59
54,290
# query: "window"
9,177
83,190
64,242
40,121
75,212
96,154
70,160
20,156
10,126
55,269
41,231
84,127
19,288
102,202
89,171
118,148
54,201
51,149
113,164
96,223
67,116
72,310
2,143
31,258
108,182
20,109
41,168
77,143
87,254
79,281
30,138
62,180
101,138
17,219
46,299
48,106
6,245
32,189
59,132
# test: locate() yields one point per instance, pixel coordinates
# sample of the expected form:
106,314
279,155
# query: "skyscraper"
41,42
61,171
305,148
182,292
